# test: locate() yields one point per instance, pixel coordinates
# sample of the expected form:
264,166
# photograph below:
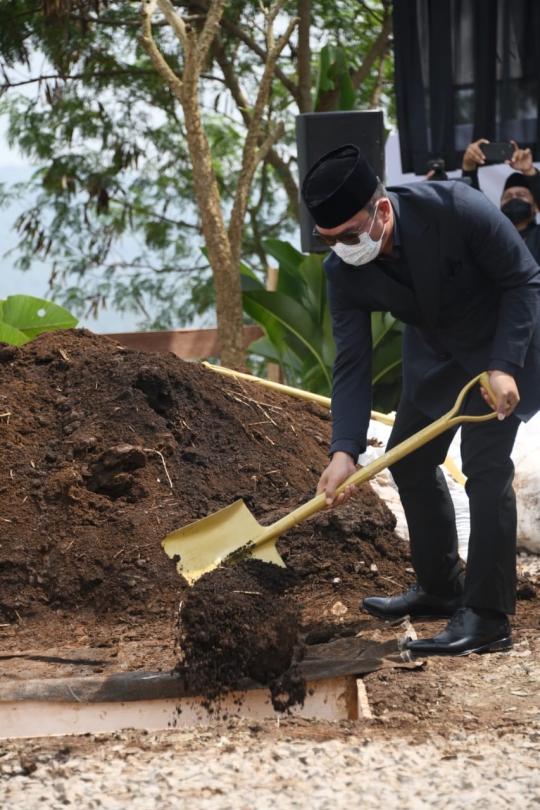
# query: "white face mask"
365,251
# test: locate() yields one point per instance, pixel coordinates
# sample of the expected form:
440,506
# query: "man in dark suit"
443,259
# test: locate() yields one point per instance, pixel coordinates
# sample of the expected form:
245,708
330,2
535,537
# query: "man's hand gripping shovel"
233,534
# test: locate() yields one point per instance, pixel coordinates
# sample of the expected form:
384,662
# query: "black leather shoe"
466,633
416,603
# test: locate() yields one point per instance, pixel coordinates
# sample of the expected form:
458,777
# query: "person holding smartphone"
448,264
521,192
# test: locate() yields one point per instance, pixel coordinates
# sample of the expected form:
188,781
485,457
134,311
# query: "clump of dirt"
236,624
106,450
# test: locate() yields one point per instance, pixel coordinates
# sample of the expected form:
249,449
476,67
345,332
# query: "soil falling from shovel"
237,624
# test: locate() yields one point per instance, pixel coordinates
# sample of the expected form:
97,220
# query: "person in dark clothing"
521,193
440,257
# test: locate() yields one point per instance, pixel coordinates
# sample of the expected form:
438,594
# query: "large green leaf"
265,348
289,260
314,297
301,277
250,283
288,256
381,324
275,330
289,347
295,318
31,316
8,334
314,377
246,272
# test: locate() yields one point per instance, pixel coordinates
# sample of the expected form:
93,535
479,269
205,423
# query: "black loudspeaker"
318,133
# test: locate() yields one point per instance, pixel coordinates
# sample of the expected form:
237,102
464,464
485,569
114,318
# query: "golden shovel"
232,534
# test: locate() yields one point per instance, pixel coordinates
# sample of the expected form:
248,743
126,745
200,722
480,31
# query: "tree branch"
377,51
251,155
237,32
175,21
213,18
371,12
130,23
305,102
375,96
242,103
73,77
140,210
147,42
271,15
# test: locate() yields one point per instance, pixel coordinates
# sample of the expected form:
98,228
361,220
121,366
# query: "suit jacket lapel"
421,248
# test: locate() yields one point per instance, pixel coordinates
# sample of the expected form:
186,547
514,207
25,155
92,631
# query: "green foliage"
22,317
334,73
298,330
113,205
294,318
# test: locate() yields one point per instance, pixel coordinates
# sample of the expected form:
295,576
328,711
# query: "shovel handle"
450,419
297,393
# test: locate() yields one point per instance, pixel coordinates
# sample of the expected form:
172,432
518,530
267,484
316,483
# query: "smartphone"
497,152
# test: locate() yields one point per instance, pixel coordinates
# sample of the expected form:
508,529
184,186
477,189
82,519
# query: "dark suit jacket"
531,237
475,306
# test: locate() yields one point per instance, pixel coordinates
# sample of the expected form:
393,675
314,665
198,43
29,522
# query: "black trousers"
490,580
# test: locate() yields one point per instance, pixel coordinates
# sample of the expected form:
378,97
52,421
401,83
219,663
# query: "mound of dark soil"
106,450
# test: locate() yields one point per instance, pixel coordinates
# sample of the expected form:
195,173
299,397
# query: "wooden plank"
339,658
189,344
332,699
328,668
123,686
126,687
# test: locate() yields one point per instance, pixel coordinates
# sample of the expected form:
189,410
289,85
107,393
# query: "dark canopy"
465,69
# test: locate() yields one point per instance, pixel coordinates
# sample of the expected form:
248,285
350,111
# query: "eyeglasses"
350,238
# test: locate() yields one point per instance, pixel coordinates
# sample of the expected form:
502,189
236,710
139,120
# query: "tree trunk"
226,273
305,104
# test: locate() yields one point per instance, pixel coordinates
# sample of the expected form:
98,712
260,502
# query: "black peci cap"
519,179
338,185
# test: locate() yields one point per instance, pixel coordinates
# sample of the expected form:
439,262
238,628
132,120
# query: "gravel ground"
208,771
457,734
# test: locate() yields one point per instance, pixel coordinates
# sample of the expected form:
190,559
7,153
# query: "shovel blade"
224,537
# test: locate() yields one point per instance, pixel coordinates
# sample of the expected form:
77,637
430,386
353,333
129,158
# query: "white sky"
15,168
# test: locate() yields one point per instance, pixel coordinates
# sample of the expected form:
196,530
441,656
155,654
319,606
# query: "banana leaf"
289,260
292,316
23,317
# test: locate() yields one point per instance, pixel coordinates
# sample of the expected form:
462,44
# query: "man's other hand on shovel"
341,466
505,392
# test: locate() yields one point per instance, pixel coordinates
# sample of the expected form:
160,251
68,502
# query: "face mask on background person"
365,251
517,210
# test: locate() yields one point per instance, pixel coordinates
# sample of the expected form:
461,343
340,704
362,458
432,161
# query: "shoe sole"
495,646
